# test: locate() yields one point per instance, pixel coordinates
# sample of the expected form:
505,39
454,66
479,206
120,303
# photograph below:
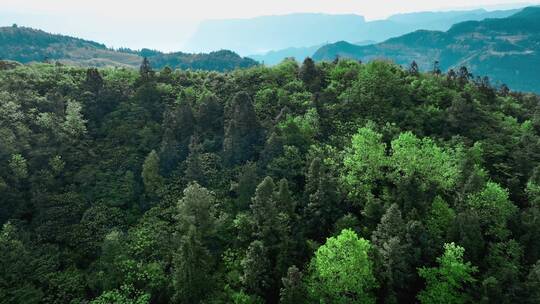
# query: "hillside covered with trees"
505,49
336,182
26,45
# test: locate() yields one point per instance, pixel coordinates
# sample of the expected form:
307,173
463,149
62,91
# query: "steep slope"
30,45
505,49
272,33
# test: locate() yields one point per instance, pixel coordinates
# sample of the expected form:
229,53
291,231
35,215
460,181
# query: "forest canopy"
337,182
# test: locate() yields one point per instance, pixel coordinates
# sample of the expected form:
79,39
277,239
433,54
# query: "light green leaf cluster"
364,161
445,283
367,161
74,124
125,295
412,156
18,166
494,208
343,271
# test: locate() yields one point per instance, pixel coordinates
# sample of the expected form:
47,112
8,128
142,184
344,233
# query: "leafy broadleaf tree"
448,282
342,272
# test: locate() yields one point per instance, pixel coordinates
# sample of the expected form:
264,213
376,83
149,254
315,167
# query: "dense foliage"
331,183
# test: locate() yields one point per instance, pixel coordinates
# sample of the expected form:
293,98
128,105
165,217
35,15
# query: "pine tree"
310,75
194,164
322,208
532,284
209,117
191,269
248,181
178,128
192,264
265,212
145,71
293,290
243,134
93,81
152,180
394,253
285,201
256,269
413,69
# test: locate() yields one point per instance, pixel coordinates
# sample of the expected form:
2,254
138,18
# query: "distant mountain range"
298,53
26,45
287,34
505,49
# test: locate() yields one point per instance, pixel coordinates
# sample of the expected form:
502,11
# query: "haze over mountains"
505,49
259,35
500,44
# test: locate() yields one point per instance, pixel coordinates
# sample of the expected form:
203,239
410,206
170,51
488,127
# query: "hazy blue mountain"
275,33
26,45
262,34
299,53
275,57
505,49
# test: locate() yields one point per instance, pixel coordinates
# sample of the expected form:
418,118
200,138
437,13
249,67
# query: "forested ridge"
28,45
337,182
505,49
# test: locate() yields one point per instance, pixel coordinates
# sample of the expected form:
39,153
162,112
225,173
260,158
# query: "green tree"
439,220
18,166
256,272
265,211
243,134
191,269
310,75
178,129
448,282
209,128
192,261
74,124
532,284
293,290
17,270
248,180
533,188
197,208
323,198
422,158
364,162
394,254
530,220
494,209
124,295
501,283
285,201
152,180
145,71
342,271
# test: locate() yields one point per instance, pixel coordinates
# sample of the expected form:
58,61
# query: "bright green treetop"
446,283
343,271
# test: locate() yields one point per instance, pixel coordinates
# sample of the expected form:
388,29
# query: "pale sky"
167,24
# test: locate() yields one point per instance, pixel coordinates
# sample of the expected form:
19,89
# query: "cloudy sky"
167,24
